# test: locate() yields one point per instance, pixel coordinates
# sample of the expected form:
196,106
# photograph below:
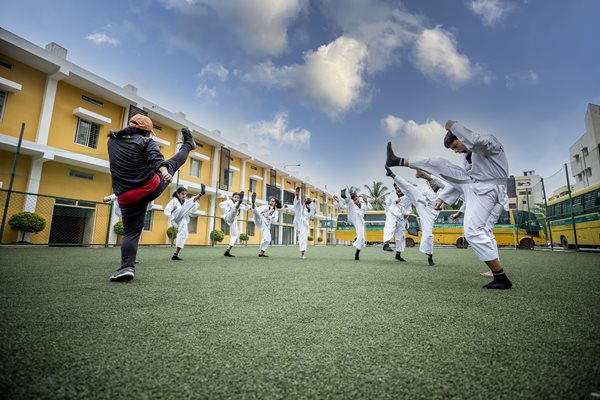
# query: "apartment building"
63,170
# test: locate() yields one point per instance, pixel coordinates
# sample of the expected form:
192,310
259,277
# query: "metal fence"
66,221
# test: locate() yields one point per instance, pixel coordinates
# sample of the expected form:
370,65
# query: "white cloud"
490,11
436,56
214,69
392,124
331,78
276,130
206,92
101,38
260,25
522,78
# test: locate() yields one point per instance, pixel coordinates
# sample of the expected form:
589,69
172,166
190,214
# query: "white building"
585,152
529,190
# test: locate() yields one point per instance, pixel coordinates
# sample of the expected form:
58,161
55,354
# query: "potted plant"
26,222
217,236
244,238
172,234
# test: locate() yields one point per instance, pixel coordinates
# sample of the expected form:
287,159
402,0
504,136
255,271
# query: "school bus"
585,212
374,222
513,227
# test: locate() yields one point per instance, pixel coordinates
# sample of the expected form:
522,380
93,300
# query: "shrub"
119,228
319,239
172,233
26,222
310,238
217,236
244,237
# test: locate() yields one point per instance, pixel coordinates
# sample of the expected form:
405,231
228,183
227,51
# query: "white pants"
230,219
359,224
303,238
265,230
181,213
394,228
179,219
427,214
482,201
182,234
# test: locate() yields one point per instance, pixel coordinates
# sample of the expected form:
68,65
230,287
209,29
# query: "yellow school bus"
584,212
374,222
514,227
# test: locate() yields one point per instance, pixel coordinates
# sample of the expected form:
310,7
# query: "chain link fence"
51,220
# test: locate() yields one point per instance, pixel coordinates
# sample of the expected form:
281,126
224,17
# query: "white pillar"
114,218
265,184
33,185
213,198
243,188
281,214
47,107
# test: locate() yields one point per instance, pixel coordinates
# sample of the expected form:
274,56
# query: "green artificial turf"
328,327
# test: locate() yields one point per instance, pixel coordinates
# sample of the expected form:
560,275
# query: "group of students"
140,174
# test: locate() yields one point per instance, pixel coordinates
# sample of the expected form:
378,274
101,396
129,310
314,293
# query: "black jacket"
134,159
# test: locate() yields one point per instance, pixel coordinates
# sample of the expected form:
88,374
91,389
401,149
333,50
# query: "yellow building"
63,170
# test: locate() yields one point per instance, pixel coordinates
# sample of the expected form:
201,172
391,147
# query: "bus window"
504,218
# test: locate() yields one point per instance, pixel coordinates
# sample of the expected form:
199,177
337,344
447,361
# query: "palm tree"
352,189
376,192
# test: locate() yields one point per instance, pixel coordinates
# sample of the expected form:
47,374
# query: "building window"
584,151
250,228
224,227
195,168
2,103
79,174
193,225
230,178
148,221
87,133
252,185
93,101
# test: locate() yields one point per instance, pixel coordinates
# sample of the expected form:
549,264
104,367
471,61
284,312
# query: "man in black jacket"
139,174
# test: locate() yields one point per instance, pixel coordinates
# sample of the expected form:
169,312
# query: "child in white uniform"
264,216
231,210
179,211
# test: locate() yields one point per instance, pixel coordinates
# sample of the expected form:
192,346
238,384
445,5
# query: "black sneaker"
228,254
263,255
343,194
176,258
188,138
386,247
399,258
430,261
356,255
202,189
253,197
388,172
123,275
498,285
241,197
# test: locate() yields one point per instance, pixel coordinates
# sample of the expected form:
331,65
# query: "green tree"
375,193
352,189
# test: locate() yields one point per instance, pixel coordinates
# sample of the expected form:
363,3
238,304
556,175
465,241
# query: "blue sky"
328,83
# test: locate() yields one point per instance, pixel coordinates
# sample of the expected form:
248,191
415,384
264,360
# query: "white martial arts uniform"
179,217
482,183
396,211
302,218
424,202
356,217
230,214
264,216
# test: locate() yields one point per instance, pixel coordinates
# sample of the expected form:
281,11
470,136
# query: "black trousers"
133,215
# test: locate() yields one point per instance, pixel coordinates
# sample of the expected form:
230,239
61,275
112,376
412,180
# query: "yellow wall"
24,106
64,124
20,184
259,171
205,170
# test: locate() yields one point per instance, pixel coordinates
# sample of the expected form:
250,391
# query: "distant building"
585,152
529,191
560,192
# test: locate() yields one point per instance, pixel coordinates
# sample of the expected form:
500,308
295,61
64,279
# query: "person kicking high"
264,216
